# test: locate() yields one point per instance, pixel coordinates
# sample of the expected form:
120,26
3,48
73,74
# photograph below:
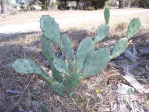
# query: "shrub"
141,3
98,4
90,8
73,66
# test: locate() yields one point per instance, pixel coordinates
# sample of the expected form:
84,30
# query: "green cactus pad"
60,66
44,75
97,62
72,81
50,28
49,53
85,49
119,47
26,66
67,46
58,88
106,15
71,65
133,27
101,32
56,74
48,49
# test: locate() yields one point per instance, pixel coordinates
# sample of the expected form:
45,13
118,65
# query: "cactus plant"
67,46
72,81
47,48
48,51
119,47
58,88
101,32
92,67
60,66
28,66
106,15
85,49
86,61
133,27
50,28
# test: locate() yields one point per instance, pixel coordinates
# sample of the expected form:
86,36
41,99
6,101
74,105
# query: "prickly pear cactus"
72,81
83,63
60,66
67,46
85,49
106,15
50,29
119,47
26,66
56,74
71,66
48,49
58,88
101,32
133,27
97,62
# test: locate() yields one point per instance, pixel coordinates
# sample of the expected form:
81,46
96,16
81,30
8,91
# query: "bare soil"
19,38
86,20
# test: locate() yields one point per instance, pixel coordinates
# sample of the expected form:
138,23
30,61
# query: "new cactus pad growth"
86,61
107,15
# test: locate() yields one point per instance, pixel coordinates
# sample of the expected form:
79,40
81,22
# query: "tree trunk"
3,6
129,3
65,3
48,4
121,4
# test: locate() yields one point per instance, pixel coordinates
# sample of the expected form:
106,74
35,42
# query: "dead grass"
31,92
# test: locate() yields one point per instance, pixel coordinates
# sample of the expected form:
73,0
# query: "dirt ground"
67,20
19,38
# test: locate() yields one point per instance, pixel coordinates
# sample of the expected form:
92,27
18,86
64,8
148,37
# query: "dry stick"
22,94
134,37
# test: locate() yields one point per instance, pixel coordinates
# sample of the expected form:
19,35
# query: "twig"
13,91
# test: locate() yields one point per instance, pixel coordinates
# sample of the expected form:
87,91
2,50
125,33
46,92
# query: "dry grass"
20,93
31,91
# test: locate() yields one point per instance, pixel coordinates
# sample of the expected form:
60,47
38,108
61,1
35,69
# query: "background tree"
121,4
62,4
140,3
97,4
45,4
143,3
3,6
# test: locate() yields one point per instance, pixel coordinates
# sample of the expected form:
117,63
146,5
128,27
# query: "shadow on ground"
25,45
29,90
